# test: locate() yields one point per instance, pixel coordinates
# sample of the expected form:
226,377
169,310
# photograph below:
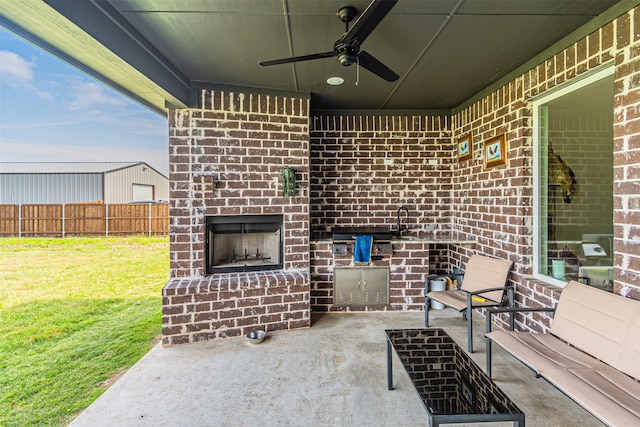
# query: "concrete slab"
333,374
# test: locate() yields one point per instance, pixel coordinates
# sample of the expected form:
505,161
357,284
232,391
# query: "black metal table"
453,389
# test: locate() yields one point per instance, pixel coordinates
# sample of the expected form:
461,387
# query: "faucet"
406,209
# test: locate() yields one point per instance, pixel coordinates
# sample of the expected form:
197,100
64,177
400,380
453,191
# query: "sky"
51,112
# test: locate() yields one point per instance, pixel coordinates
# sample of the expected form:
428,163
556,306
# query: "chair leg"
426,311
427,303
469,328
389,365
489,357
511,304
488,347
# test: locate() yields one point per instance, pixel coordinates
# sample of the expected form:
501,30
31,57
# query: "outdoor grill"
344,240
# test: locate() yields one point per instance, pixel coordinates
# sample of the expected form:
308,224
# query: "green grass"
74,313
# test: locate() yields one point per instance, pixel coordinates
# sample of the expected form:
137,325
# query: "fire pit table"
453,389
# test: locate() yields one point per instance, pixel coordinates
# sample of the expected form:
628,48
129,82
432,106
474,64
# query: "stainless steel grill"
344,241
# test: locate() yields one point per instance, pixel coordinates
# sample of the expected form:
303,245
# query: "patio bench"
591,353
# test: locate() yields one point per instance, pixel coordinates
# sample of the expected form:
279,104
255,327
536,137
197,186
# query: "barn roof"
64,167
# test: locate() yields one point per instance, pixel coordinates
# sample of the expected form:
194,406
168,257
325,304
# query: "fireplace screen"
243,243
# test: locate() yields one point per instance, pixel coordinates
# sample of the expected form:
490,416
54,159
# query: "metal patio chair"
484,285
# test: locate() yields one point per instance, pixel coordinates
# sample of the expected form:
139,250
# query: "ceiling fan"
347,47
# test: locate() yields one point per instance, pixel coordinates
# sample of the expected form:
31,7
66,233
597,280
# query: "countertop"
426,237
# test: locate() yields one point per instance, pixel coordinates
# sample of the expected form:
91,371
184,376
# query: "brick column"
226,158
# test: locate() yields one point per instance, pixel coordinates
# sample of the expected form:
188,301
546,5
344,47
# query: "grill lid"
348,233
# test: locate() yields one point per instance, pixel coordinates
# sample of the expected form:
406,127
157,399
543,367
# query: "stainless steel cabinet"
360,286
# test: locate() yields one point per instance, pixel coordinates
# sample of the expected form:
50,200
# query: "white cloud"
14,69
88,94
34,124
44,94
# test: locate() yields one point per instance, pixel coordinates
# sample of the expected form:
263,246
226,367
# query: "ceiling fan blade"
297,58
376,67
370,18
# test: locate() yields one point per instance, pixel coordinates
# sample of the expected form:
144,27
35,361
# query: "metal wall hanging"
288,182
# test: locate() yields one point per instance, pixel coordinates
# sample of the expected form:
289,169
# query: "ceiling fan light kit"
335,81
347,48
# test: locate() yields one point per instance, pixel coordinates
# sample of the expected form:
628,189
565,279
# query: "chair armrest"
525,309
482,291
491,311
507,287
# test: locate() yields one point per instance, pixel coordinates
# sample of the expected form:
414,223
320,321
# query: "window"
573,172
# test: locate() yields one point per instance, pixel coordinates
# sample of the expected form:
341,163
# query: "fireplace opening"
243,243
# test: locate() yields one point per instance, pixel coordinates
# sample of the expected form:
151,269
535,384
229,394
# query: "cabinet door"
347,286
375,286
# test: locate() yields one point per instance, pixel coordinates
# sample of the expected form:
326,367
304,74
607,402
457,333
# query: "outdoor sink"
409,238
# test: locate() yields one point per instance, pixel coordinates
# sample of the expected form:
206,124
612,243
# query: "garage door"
142,193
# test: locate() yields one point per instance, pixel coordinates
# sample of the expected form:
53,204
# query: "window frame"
604,71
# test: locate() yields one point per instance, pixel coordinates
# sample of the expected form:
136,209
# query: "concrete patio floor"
332,374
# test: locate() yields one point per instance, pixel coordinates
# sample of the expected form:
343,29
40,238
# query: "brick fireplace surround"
226,157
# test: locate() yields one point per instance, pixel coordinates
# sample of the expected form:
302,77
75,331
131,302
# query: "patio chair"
484,285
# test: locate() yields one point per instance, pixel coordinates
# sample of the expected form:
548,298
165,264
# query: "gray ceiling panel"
444,51
199,6
534,7
473,52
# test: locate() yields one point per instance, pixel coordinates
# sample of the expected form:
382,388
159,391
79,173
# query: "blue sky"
51,112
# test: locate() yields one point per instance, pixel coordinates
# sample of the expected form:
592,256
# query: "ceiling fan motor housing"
346,53
346,58
347,13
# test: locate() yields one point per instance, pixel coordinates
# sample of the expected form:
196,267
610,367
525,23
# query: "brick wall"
497,203
365,167
626,130
233,304
226,158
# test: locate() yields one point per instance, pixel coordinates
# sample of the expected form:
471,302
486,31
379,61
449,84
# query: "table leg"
389,366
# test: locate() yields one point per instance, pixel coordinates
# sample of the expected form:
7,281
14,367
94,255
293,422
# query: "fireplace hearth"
243,243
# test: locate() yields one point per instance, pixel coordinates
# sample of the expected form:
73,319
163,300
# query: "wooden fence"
84,219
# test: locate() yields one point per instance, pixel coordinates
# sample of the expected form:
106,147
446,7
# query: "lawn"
74,314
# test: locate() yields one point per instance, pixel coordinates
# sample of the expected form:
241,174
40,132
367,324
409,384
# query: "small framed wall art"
495,151
465,147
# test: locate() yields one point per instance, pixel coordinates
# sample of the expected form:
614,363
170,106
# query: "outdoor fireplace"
243,243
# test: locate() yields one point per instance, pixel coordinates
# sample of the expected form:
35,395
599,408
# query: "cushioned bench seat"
607,393
591,353
541,352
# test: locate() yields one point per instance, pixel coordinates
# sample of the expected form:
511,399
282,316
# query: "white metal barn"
77,182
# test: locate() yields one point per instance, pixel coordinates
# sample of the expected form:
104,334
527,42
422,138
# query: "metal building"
66,182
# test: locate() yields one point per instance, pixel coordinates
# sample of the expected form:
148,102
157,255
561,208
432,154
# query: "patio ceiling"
444,51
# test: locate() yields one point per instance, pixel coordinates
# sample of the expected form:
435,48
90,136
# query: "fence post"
106,219
19,219
63,205
150,217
